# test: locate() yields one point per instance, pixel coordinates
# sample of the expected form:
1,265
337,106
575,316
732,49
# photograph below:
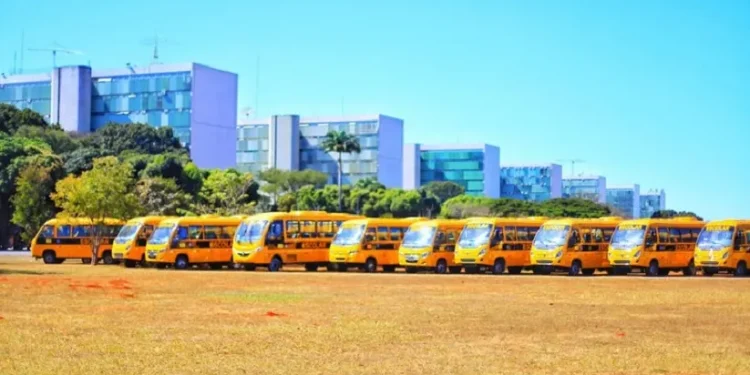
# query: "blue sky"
648,92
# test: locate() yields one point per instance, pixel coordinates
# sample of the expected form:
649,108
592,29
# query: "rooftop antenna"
155,41
572,164
257,84
23,38
55,50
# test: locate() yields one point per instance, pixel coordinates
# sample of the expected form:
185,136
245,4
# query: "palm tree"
341,142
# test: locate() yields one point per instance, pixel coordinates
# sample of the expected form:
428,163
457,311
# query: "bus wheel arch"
275,264
49,256
575,267
181,262
441,266
690,269
107,256
371,265
499,266
741,270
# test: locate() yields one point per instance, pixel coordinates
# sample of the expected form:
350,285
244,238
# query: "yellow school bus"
276,239
130,244
573,245
655,246
185,241
369,243
429,245
496,244
70,238
724,246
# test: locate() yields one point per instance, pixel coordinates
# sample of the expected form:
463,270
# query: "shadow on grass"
26,272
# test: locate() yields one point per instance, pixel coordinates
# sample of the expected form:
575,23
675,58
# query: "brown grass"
76,319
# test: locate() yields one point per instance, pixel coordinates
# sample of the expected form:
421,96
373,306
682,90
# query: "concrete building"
476,167
626,200
291,142
652,201
535,183
198,102
593,188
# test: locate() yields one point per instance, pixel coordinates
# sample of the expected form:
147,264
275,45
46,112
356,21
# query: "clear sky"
648,92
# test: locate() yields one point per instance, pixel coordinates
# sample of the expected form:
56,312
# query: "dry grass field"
77,319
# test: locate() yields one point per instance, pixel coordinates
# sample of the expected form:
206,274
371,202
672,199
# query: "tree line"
128,170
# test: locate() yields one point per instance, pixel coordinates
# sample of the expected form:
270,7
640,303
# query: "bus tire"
107,257
371,265
441,267
411,269
249,267
515,270
49,257
653,268
454,269
182,262
690,269
741,270
129,263
499,267
389,269
275,265
575,268
311,267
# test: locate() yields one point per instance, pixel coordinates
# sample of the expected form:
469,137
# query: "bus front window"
127,233
421,237
628,238
475,235
349,235
250,232
715,238
161,236
549,238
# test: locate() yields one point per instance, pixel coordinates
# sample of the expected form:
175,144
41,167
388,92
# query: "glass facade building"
292,143
198,102
653,201
475,167
536,183
593,188
625,200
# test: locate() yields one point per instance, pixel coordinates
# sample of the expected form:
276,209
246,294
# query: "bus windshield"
551,237
250,232
349,235
475,235
420,237
161,235
715,238
127,233
628,238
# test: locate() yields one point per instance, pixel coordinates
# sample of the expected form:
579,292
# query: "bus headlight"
483,251
258,249
559,254
726,255
353,253
127,249
637,254
425,254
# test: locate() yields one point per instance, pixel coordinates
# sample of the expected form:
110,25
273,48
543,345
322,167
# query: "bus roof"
81,221
685,221
731,222
440,222
508,220
386,220
147,219
201,220
302,214
579,221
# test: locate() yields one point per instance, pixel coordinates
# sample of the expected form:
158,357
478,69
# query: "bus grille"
544,261
623,262
467,260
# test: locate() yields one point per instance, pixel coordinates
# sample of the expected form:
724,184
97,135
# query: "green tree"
32,205
60,141
178,167
341,143
464,206
444,190
573,207
226,193
295,180
143,138
105,191
82,159
12,118
161,196
505,207
668,214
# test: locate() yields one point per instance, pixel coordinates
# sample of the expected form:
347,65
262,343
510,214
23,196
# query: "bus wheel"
411,270
371,265
441,267
741,270
653,268
107,258
181,263
311,267
690,269
389,269
575,268
49,257
275,265
588,271
454,269
129,263
499,267
249,267
515,270
86,260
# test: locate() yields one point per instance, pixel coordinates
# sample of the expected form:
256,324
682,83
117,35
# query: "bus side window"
325,229
146,232
439,238
574,239
532,232
292,229
510,233
81,231
598,235
370,235
212,232
395,234
451,238
522,233
607,232
48,231
674,235
663,235
275,233
587,238
747,240
227,232
382,234
651,237
739,239
63,231
195,232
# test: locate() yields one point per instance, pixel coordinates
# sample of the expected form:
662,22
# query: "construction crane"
55,51
573,163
